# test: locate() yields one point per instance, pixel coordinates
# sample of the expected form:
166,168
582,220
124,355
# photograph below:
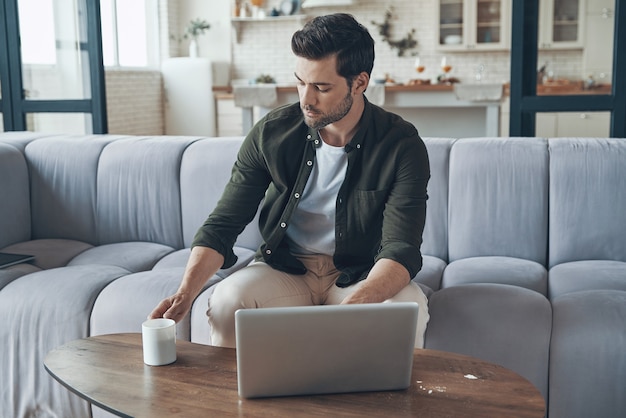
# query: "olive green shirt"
380,208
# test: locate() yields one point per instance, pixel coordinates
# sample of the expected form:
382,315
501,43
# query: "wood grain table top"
109,372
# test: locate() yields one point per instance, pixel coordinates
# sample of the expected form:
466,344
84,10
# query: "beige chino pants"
260,286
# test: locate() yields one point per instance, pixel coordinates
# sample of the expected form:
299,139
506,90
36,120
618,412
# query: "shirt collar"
357,141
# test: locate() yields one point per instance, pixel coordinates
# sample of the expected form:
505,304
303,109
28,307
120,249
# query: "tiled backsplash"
264,47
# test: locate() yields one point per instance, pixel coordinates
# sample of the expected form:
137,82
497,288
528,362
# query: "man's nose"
307,95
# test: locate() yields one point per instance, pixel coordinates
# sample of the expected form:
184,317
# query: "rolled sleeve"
405,211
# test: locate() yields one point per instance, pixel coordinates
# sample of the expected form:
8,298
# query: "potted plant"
195,28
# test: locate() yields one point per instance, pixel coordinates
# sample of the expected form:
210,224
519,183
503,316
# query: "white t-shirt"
312,228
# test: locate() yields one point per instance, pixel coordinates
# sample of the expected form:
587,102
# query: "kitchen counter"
557,88
226,92
563,88
434,109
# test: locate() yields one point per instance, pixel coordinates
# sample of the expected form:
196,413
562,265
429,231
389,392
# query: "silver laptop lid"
325,349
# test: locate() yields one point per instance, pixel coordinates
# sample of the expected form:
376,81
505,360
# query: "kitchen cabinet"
598,53
561,24
473,25
573,124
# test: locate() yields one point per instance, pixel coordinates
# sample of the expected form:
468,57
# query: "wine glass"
445,67
419,66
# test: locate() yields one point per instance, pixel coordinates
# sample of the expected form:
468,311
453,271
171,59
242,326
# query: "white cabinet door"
473,25
545,125
561,24
587,124
598,52
573,124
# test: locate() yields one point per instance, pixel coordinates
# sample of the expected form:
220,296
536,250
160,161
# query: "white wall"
215,43
264,47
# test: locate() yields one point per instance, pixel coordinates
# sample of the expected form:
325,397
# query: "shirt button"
268,251
283,225
309,163
296,195
308,136
340,200
358,146
340,234
317,141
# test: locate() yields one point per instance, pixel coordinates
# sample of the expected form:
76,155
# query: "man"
344,189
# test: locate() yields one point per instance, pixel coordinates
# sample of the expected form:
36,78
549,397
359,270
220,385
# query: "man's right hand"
174,307
202,264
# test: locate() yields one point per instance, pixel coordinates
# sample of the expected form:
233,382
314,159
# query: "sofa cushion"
40,312
49,253
502,270
138,191
503,324
587,355
119,309
8,274
205,170
15,191
63,174
587,275
19,139
179,259
587,199
132,256
435,235
431,273
498,201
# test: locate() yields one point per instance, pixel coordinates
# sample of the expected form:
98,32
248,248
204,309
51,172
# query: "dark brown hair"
338,34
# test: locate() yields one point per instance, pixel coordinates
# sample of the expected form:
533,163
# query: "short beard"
335,115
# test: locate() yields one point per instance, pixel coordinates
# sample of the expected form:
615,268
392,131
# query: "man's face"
325,97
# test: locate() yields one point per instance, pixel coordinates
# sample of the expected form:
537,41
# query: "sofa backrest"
498,198
14,192
205,170
487,196
102,189
63,176
587,199
435,236
138,190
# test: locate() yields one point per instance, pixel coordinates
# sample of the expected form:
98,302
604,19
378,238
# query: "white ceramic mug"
159,341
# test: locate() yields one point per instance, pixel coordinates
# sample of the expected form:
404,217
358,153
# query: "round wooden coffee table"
108,371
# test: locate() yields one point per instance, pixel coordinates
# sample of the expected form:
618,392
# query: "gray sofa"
524,255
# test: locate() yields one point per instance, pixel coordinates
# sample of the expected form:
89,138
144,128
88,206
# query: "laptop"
7,259
310,350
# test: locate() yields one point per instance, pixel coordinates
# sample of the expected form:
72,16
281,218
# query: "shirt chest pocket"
368,209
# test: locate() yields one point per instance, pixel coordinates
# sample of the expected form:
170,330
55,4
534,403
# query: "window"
60,78
37,46
129,33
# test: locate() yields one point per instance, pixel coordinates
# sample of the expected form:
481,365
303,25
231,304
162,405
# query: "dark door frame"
524,100
15,106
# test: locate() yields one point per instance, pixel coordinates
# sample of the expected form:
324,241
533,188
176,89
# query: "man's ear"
360,83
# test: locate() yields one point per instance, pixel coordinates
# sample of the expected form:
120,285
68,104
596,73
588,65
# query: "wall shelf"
239,22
